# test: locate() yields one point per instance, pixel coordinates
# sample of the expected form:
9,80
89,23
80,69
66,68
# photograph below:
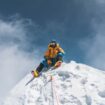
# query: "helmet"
53,43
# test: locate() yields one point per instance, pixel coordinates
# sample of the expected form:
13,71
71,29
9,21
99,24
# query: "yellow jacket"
52,52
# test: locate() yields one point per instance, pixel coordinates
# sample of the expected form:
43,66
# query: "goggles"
52,44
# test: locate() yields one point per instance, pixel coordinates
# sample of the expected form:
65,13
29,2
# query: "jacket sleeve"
61,50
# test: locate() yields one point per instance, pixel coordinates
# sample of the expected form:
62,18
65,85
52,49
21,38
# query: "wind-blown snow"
73,84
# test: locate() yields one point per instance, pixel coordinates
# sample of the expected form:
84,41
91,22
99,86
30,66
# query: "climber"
53,57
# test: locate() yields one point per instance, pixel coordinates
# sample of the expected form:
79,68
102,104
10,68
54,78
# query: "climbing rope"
54,91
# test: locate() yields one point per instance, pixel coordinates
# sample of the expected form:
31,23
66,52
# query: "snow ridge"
75,84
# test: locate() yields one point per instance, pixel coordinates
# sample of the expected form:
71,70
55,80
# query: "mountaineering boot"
38,70
35,73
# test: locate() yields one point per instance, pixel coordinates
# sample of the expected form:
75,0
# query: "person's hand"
58,64
49,62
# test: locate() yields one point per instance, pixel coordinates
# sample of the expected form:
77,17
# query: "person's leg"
42,65
53,60
39,68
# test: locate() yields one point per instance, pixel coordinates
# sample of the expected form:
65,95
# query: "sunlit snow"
73,84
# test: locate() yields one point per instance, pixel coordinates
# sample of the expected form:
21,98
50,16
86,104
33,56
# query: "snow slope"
72,84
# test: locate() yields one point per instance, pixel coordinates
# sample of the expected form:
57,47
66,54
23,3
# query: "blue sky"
66,21
27,26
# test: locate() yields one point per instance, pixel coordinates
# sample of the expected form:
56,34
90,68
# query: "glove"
58,64
49,62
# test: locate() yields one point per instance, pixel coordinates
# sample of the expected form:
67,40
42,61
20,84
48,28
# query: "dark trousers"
44,63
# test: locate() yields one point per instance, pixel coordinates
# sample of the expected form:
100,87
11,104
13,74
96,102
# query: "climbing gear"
54,92
29,81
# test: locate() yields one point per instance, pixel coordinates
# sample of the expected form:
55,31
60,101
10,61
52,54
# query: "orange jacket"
52,52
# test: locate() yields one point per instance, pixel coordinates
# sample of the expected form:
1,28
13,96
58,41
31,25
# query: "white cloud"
14,63
100,1
13,28
94,46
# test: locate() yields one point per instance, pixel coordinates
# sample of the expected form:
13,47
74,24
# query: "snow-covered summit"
72,84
